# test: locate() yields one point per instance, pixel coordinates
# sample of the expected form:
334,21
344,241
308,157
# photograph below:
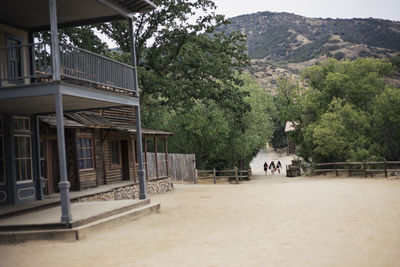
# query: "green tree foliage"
181,61
212,132
348,111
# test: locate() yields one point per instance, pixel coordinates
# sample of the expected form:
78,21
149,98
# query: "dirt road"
270,221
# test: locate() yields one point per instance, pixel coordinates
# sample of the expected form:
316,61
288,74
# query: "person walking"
272,167
279,166
265,167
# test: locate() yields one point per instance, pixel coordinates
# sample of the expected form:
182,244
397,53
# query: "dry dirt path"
270,221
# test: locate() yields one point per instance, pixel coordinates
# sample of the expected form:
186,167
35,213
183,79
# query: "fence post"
384,164
365,169
215,176
236,174
348,166
370,167
337,173
195,176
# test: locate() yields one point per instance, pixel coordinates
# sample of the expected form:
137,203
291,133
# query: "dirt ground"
269,221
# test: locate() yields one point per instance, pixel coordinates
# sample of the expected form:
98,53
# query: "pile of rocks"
132,191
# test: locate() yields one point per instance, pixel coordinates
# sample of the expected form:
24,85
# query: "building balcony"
28,64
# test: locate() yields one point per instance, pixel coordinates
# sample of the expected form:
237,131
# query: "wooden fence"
235,175
181,167
358,168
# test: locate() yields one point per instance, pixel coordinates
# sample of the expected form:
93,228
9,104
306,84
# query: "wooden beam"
155,155
145,158
133,158
166,154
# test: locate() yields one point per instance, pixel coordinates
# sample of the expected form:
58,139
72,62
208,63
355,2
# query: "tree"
212,132
181,60
347,112
386,122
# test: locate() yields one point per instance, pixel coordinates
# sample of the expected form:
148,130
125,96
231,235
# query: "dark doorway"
125,159
51,173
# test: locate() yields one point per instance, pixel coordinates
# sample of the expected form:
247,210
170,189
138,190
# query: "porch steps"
79,228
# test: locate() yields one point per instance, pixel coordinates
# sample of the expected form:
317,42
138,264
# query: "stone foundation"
132,191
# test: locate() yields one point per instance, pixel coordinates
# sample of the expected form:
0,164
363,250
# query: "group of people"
272,167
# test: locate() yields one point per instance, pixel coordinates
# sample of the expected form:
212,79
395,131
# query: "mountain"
283,43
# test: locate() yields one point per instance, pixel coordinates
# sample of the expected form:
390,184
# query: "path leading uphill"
269,221
268,155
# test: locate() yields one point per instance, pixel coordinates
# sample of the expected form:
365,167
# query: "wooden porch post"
166,154
141,172
64,184
133,158
36,151
145,157
55,50
155,155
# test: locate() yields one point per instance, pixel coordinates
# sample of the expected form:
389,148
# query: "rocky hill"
283,43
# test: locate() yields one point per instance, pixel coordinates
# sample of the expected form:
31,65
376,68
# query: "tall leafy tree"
348,111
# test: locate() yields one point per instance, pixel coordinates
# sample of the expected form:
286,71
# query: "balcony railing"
32,63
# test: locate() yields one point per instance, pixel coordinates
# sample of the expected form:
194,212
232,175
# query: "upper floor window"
14,59
84,148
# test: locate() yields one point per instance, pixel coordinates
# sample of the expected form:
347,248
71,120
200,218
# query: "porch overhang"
39,99
34,14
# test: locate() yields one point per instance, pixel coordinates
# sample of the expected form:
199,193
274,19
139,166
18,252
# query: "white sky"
383,9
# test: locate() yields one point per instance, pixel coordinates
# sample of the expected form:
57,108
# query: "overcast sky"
383,9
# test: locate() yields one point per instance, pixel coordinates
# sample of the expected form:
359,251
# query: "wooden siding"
87,178
181,167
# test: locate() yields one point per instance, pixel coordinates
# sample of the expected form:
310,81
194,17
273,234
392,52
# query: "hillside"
286,43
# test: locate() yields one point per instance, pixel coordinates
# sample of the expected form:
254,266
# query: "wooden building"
100,149
37,80
291,146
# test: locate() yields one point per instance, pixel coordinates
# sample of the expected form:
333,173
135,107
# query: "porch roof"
93,120
34,14
52,121
90,119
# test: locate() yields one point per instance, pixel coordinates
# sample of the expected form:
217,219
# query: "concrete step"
74,223
80,231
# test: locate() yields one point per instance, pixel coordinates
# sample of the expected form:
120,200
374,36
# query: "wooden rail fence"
364,167
214,175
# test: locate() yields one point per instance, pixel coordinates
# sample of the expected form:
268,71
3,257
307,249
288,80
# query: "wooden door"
52,166
125,159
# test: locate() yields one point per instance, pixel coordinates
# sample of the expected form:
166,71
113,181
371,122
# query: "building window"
22,124
23,157
14,62
42,159
115,153
84,148
2,163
